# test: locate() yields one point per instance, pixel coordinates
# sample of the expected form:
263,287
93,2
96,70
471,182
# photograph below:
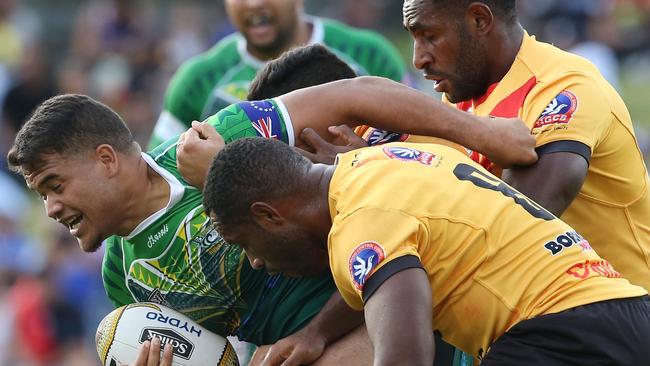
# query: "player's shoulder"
337,31
217,57
551,64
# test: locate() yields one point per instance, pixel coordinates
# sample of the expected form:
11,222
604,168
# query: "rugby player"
590,169
421,237
219,77
79,155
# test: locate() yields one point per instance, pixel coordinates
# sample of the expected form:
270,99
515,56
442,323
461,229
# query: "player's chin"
89,245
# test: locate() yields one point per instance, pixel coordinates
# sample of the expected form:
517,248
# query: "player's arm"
334,320
566,129
553,182
398,318
389,105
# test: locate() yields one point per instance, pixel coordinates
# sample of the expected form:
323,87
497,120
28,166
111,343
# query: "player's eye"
56,188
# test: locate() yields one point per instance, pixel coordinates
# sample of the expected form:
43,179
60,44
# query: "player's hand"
325,152
514,146
300,348
149,354
195,151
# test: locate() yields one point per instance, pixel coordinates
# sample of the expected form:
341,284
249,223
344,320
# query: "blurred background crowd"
123,53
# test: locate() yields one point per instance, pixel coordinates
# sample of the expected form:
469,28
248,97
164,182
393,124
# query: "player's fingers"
154,352
312,138
307,154
205,130
143,354
168,354
272,357
294,359
347,135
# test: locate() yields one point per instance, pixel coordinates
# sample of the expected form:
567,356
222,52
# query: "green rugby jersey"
175,258
219,77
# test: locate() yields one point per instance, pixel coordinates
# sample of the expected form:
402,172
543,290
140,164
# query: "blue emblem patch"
559,110
363,260
409,154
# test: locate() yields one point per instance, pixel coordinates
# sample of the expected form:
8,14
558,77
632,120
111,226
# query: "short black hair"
503,9
248,170
298,68
67,123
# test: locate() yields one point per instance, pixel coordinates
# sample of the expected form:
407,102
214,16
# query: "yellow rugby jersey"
493,256
570,107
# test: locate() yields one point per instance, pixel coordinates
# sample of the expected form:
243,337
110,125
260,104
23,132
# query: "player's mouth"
438,83
259,25
73,223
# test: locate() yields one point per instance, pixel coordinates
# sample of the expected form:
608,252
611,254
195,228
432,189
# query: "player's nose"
53,208
422,57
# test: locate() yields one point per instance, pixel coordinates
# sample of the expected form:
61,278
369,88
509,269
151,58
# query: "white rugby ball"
121,333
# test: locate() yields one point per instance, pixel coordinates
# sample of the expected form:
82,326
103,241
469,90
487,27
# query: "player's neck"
505,49
148,192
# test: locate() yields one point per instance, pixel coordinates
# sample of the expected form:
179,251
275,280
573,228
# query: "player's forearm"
335,320
388,105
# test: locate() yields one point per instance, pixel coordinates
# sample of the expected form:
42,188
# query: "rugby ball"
121,333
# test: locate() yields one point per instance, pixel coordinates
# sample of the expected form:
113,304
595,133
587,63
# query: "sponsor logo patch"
363,260
567,240
408,154
559,110
182,347
593,268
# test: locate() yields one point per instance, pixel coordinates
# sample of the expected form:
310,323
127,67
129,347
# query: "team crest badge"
378,137
559,111
363,261
409,154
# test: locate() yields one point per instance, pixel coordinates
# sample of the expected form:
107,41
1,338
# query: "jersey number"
483,180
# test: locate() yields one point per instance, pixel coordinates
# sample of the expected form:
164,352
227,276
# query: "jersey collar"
176,191
317,36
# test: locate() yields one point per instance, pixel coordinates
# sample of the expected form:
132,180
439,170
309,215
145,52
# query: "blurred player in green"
219,77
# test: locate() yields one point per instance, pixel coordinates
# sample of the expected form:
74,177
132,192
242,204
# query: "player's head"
260,195
298,68
269,26
453,40
68,152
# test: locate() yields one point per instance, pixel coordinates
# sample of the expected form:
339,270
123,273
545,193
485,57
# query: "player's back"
492,255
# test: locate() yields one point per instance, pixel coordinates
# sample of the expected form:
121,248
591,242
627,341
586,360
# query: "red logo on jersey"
264,128
559,110
409,154
598,268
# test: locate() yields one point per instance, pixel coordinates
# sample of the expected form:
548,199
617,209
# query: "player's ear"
107,157
480,17
265,215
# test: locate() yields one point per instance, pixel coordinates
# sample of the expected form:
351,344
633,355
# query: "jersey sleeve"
113,274
571,115
368,247
268,118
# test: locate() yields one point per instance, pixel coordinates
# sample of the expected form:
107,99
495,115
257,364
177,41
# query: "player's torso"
615,188
232,85
477,246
